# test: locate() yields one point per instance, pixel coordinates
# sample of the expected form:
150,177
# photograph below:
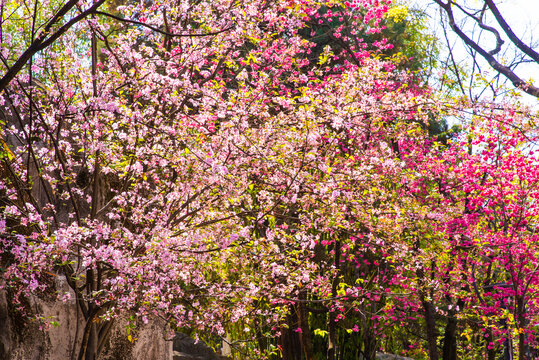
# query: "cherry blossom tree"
195,161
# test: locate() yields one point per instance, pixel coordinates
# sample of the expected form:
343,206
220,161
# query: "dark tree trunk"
91,350
523,348
261,339
369,344
332,331
88,347
303,320
491,353
450,338
432,336
290,342
331,336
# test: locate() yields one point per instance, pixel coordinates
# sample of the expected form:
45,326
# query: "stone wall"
22,339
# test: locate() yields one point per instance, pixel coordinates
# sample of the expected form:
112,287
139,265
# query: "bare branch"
479,21
166,33
504,70
43,40
507,29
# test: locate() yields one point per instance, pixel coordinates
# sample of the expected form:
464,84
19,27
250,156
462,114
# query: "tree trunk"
261,339
450,338
432,336
303,320
491,353
290,342
88,347
369,344
91,349
331,336
332,331
523,348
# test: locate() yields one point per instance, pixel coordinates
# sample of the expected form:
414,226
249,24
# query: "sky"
521,15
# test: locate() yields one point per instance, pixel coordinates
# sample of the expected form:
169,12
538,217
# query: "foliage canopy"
265,165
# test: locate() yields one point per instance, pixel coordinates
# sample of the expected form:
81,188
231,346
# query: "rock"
382,356
187,348
183,356
22,339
